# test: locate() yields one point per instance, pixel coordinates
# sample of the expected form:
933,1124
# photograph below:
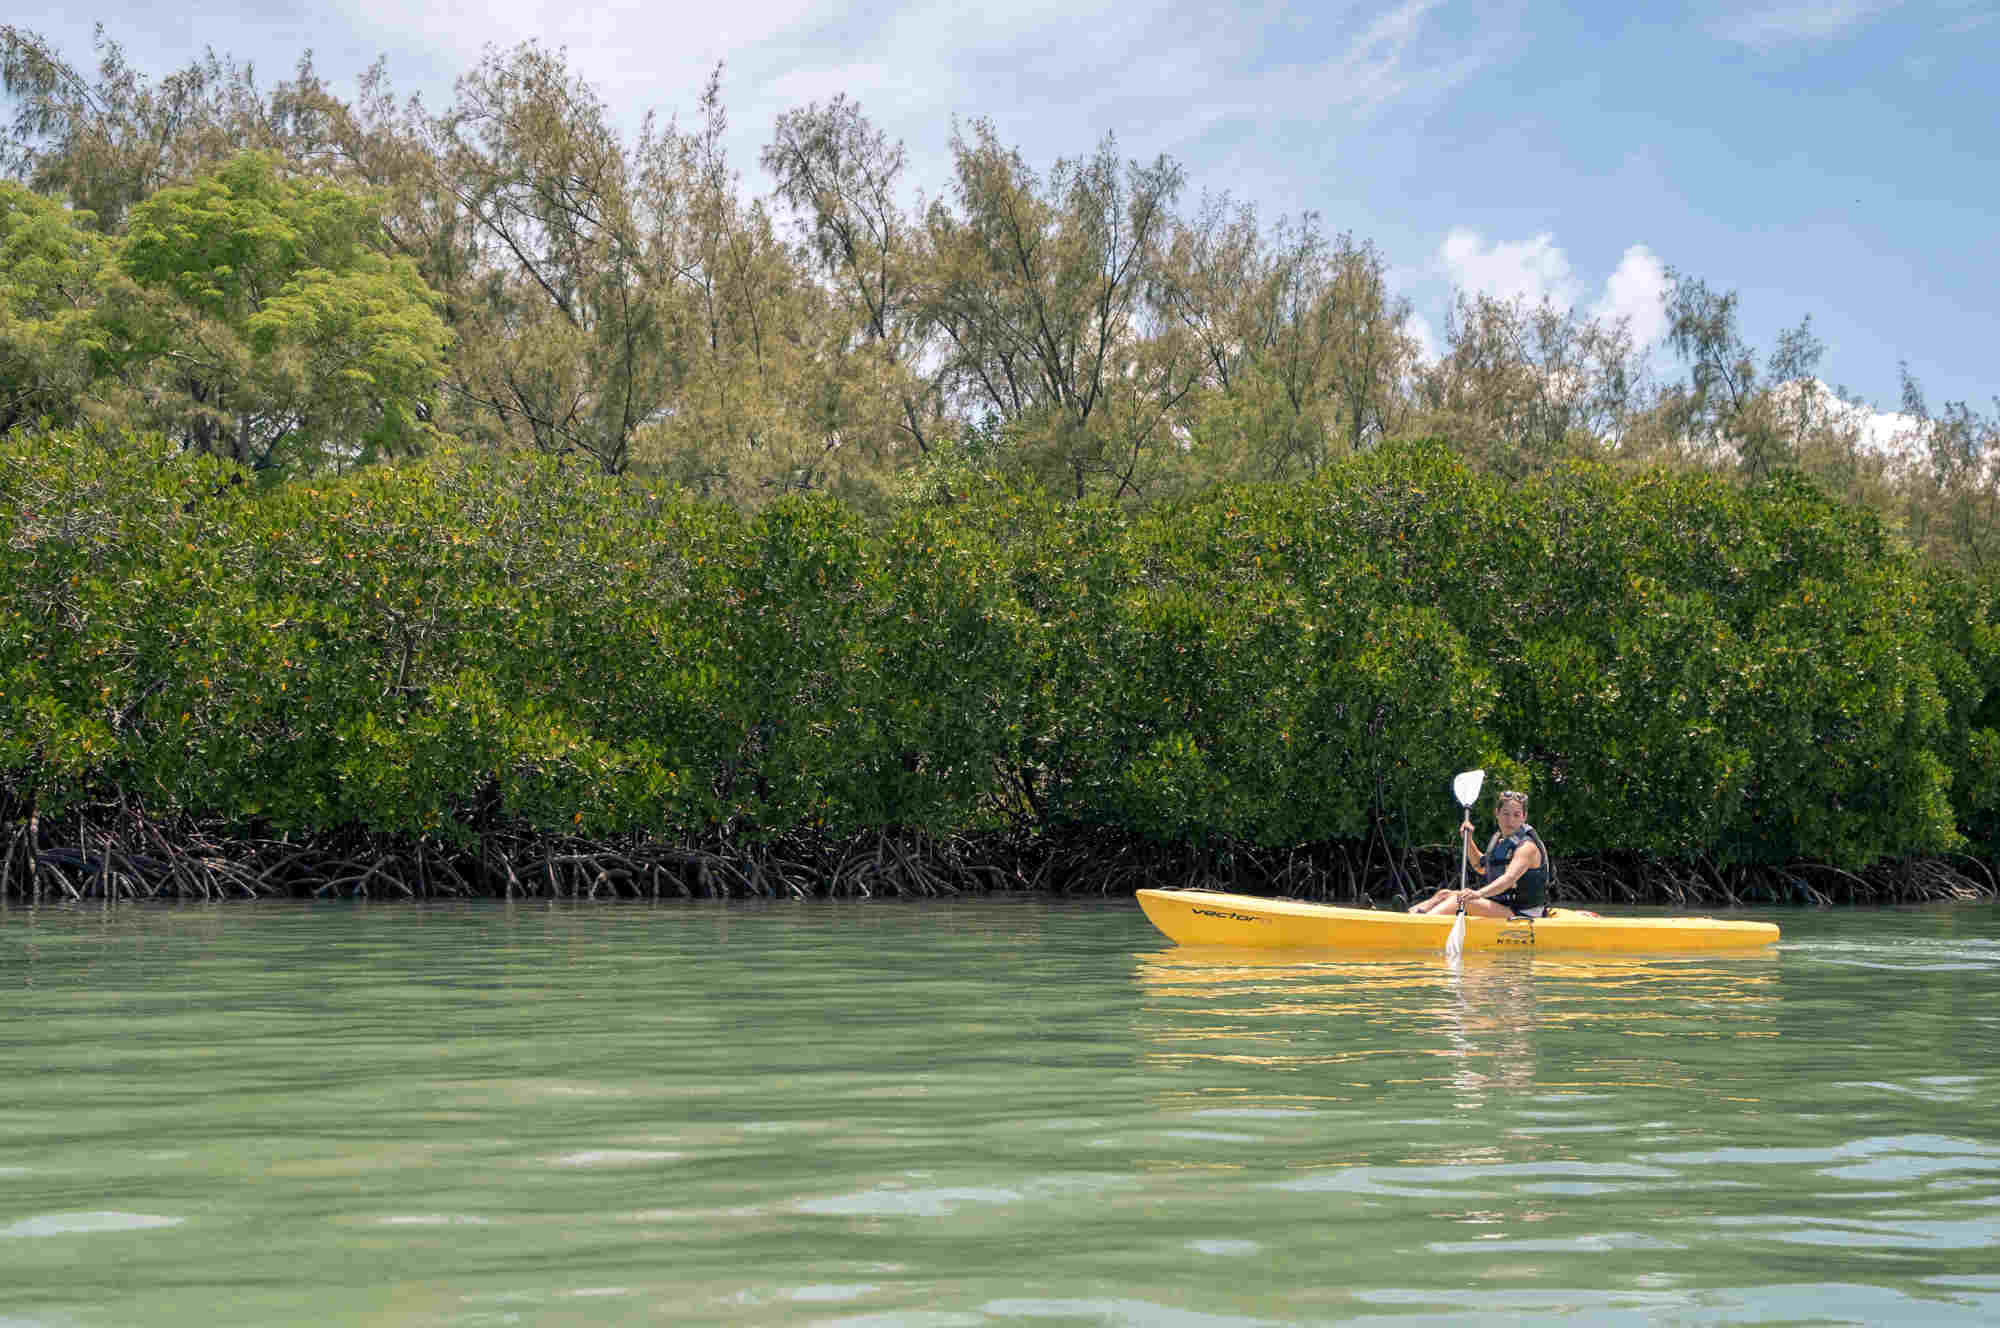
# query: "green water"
978,1112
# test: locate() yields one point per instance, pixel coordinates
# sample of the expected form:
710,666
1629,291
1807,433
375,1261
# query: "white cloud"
1537,270
1785,24
1531,270
1418,328
1885,432
1637,292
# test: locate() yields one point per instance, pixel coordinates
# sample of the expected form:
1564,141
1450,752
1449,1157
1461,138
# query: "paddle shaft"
1464,867
1466,789
1464,862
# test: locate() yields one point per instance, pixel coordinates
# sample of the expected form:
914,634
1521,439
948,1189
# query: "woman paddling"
1514,868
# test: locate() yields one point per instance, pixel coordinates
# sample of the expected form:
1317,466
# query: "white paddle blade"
1454,945
1467,785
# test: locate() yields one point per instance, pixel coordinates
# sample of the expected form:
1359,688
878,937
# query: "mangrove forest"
471,672
409,501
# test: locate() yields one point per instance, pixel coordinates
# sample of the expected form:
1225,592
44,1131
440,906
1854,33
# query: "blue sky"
1826,157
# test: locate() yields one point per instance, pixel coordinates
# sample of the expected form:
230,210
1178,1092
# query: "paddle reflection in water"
1438,1128
1258,994
1487,1013
1465,1055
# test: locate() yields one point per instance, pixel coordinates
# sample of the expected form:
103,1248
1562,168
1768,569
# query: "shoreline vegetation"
118,854
474,674
410,500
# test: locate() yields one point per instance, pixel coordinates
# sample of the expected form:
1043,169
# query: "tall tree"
263,322
1214,269
563,341
1373,353
840,174
104,144
1818,427
1040,292
775,394
1952,492
1264,314
1522,386
1716,411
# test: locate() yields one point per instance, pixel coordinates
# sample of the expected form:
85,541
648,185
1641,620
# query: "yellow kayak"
1206,917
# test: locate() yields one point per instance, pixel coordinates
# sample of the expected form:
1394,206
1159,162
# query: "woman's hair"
1518,799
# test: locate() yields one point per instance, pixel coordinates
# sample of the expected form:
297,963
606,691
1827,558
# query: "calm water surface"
977,1112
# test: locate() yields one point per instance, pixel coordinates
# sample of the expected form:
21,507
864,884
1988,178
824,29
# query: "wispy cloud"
1774,26
1170,70
1395,56
1164,75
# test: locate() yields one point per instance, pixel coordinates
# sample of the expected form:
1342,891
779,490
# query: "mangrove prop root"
116,850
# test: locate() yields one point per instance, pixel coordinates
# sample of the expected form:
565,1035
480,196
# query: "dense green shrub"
1676,668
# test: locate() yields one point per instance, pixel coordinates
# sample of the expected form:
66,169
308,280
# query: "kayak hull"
1205,917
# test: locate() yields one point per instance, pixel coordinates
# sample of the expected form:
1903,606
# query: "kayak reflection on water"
1488,1016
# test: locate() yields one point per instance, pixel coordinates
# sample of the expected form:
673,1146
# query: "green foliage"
107,544
251,269
51,346
274,329
1249,613
1677,667
1965,657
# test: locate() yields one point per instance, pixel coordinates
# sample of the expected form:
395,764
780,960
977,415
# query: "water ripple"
87,1224
976,1113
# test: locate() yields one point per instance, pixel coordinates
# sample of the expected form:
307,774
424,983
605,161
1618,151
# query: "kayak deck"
1207,917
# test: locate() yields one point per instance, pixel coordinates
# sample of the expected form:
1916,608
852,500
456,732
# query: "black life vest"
1531,887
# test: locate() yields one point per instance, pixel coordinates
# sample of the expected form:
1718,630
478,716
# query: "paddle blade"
1454,945
1467,785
